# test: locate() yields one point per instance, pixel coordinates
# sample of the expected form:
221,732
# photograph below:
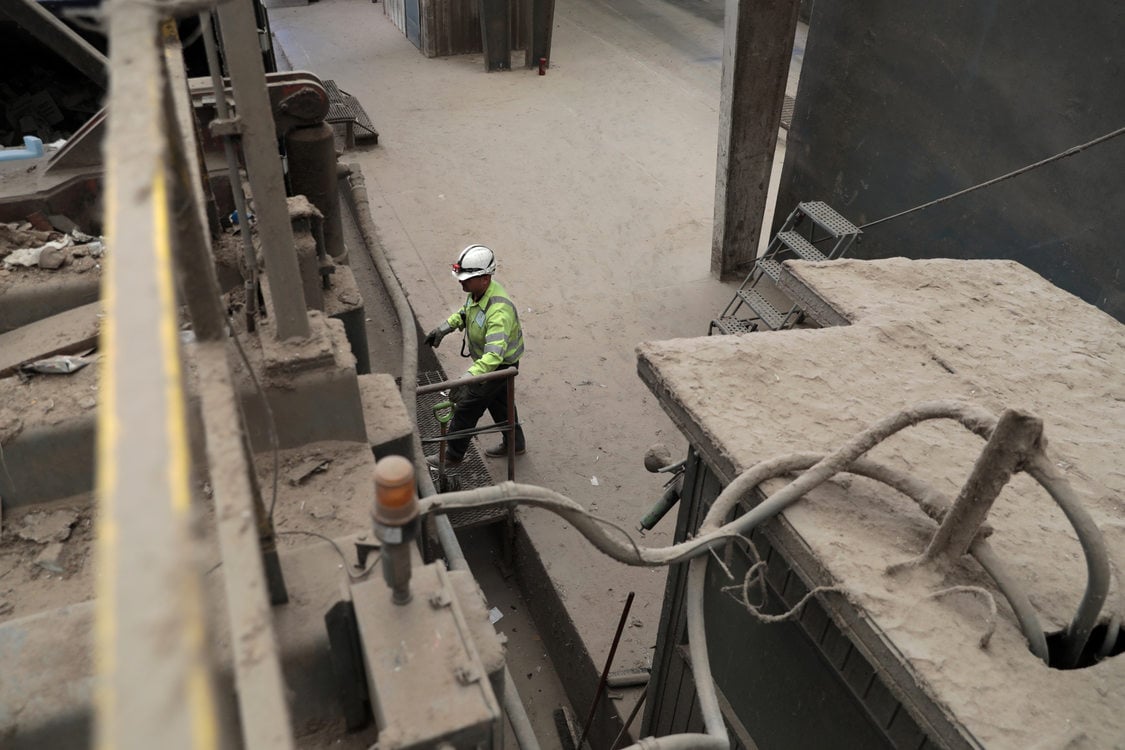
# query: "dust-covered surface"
46,557
989,332
45,400
327,488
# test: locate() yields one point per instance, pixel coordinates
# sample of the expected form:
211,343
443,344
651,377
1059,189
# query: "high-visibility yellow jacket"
492,326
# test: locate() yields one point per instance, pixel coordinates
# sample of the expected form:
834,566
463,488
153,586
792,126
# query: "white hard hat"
474,260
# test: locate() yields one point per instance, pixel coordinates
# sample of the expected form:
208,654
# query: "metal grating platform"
732,326
470,473
766,312
771,268
827,218
798,244
345,109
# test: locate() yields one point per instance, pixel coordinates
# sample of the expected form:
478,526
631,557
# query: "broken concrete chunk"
300,473
45,527
52,258
82,265
50,558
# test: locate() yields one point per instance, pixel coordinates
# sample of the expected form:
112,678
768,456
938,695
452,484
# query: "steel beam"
263,166
263,712
155,687
58,37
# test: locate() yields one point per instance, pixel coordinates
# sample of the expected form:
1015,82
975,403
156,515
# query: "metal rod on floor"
605,672
632,715
511,393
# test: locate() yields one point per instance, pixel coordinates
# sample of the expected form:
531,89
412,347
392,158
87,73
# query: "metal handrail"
508,373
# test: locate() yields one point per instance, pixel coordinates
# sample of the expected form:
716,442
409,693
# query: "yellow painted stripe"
105,623
201,700
200,697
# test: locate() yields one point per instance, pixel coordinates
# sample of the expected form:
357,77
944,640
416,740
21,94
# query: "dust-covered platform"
991,333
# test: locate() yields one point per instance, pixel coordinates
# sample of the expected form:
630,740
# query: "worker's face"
477,285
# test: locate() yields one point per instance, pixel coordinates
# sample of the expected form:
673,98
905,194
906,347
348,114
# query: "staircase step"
762,307
798,244
732,326
771,268
827,218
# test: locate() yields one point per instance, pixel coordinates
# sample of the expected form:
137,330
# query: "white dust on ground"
1012,340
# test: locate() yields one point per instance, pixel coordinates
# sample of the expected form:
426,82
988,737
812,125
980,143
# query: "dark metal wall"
903,101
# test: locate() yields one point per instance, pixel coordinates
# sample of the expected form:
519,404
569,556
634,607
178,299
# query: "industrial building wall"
904,101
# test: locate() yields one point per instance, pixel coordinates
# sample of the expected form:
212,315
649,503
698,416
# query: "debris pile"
24,245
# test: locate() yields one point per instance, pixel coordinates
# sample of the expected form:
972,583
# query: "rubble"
52,258
44,527
50,559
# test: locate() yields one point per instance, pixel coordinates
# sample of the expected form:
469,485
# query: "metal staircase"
810,223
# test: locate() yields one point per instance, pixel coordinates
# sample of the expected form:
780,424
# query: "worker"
492,329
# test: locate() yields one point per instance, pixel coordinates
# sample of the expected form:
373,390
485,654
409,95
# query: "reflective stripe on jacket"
493,330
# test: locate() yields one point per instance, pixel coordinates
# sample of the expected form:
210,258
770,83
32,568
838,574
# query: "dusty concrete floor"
595,186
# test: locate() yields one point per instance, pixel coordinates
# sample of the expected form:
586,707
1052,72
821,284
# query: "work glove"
458,393
434,337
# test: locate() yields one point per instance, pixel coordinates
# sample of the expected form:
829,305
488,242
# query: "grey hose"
513,706
711,533
1098,572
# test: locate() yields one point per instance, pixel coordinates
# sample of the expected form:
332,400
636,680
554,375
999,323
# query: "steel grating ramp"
807,225
344,109
470,473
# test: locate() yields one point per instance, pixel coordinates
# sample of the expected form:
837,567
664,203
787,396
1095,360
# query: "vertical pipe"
259,147
511,391
311,154
233,174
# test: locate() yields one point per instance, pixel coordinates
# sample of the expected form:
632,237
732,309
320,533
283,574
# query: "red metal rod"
605,672
511,430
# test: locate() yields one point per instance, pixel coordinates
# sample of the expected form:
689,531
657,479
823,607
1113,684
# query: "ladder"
810,223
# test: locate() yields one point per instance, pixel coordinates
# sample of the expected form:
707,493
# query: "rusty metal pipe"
608,664
510,372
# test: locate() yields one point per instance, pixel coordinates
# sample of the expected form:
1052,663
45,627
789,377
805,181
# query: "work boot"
501,449
450,460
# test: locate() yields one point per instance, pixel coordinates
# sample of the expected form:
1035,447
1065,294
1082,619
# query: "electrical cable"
270,424
1098,572
847,457
1062,155
1112,631
343,556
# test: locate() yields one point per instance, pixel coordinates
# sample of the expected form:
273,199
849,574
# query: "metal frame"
151,647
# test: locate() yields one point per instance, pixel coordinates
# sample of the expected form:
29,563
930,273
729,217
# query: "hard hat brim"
466,275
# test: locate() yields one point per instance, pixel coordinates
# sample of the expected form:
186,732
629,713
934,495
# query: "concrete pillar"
757,47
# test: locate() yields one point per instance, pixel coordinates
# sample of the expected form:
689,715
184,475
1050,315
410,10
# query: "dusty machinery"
276,646
267,360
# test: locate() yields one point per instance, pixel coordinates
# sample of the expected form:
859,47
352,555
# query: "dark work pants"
491,396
